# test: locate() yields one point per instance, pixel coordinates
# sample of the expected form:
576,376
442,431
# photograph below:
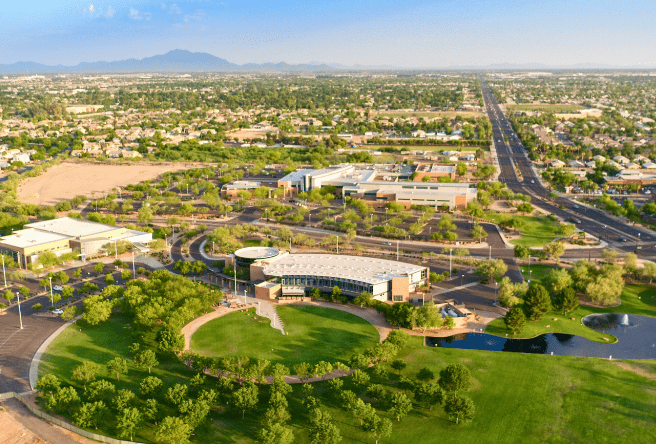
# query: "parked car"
622,239
58,288
58,311
648,192
387,243
575,220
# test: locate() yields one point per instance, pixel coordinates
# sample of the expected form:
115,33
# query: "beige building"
281,274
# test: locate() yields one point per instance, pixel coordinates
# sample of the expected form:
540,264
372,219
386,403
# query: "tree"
537,302
378,427
461,168
146,359
109,279
99,390
85,373
398,365
336,292
458,408
522,252
145,215
127,421
509,293
555,250
123,399
566,300
425,374
151,385
150,409
98,267
48,384
401,405
649,271
525,208
322,429
64,399
169,340
245,398
96,309
177,394
492,268
302,370
117,365
360,378
455,378
478,232
558,279
364,298
427,316
323,369
173,430
430,393
609,255
515,320
89,413
276,434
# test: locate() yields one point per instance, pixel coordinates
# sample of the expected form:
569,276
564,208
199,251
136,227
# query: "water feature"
636,340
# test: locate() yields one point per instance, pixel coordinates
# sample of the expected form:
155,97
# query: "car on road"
622,239
387,243
575,220
576,207
58,288
532,181
58,311
648,192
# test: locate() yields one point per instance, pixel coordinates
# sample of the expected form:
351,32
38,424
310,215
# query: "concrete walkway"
189,329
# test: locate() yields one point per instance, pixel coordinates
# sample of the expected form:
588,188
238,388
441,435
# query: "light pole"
490,252
20,315
244,297
462,278
371,219
258,308
495,291
134,273
51,297
397,250
450,251
4,273
115,250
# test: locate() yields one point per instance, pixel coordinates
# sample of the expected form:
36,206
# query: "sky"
404,34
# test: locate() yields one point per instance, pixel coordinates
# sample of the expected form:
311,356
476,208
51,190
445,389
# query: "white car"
58,288
58,311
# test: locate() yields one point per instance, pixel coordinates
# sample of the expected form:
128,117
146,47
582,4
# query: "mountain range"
180,60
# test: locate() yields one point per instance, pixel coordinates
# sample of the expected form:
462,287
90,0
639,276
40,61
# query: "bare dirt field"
70,179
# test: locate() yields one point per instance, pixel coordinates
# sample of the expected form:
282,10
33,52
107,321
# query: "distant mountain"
180,60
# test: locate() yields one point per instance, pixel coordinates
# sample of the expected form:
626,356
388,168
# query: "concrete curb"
36,359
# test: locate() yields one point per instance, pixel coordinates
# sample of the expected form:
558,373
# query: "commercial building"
232,189
363,184
278,274
65,235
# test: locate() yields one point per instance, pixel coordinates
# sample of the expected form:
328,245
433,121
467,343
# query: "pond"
636,340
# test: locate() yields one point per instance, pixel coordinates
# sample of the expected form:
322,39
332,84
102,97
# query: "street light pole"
490,252
51,297
244,297
450,251
134,273
397,250
20,315
4,274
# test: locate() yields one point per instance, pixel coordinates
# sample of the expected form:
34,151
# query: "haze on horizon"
420,34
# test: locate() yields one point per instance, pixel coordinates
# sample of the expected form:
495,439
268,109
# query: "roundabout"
313,334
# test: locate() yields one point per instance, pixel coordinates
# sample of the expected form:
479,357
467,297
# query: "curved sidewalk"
36,360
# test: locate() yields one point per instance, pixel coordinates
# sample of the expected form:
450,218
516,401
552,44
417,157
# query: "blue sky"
409,33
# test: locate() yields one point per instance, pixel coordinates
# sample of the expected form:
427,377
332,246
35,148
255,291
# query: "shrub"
37,306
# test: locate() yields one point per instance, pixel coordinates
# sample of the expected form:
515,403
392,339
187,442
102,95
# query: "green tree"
322,429
64,399
123,399
85,373
48,384
515,320
98,267
173,430
245,398
536,302
430,393
99,390
177,394
118,366
461,168
400,405
493,269
566,300
276,434
398,365
96,309
478,233
364,298
127,421
459,408
378,427
558,279
455,378
146,359
109,279
555,250
89,413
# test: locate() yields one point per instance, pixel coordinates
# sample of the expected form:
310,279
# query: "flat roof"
31,237
357,268
72,227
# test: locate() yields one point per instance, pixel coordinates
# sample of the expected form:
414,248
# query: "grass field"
636,299
546,107
519,398
313,334
537,231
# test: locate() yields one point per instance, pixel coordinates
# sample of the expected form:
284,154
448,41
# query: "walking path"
189,329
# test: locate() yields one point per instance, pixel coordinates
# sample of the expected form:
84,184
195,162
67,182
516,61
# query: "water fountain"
624,320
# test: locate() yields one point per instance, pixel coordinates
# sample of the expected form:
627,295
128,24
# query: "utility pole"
397,250
337,244
234,265
52,299
134,273
450,251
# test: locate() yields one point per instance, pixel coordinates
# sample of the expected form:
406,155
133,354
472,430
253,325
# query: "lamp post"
244,297
4,273
496,284
450,251
51,297
20,315
462,278
490,252
134,273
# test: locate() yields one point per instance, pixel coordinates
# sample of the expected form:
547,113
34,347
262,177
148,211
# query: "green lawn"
538,272
313,334
536,231
636,299
546,107
519,398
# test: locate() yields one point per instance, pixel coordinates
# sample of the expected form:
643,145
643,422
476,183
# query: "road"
596,222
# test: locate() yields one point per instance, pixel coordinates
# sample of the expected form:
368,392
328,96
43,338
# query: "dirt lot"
70,179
